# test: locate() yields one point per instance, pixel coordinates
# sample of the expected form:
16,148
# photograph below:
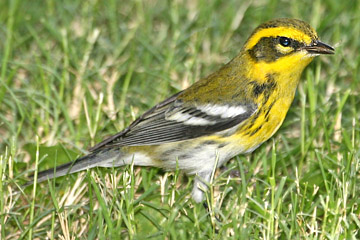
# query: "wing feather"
172,121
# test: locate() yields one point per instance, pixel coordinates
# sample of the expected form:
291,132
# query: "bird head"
283,46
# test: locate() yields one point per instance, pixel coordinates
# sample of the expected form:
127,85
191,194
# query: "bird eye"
284,41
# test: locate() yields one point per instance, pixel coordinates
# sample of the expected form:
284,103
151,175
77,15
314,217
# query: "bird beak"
318,47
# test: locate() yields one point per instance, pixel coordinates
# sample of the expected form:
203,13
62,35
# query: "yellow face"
282,37
282,46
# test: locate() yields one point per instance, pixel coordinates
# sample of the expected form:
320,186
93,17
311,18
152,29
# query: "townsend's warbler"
229,112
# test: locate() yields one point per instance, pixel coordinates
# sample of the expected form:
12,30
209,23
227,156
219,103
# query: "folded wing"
172,120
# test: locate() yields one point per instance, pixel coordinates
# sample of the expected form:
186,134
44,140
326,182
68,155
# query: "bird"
229,112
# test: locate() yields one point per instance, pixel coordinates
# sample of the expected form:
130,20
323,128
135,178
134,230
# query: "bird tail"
102,158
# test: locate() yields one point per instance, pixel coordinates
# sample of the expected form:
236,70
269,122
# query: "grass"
74,72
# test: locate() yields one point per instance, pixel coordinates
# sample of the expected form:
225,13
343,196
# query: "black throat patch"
265,88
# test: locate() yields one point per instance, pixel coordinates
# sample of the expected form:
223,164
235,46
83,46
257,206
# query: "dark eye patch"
265,49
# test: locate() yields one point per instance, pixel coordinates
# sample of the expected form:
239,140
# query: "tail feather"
89,161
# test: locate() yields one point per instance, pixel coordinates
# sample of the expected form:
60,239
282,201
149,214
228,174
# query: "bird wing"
172,120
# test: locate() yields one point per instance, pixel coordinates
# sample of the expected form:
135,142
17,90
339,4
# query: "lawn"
74,72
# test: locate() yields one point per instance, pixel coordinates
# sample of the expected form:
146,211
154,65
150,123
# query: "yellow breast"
276,86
